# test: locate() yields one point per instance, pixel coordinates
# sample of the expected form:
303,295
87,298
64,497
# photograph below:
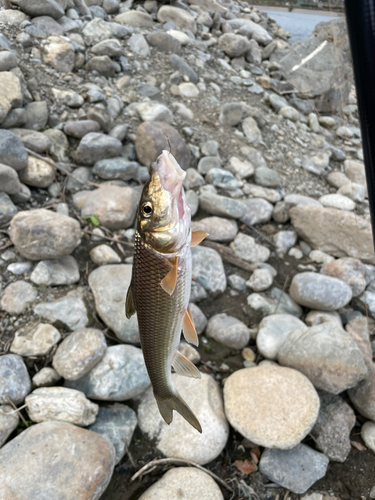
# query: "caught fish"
160,287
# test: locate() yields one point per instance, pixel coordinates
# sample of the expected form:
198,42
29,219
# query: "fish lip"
167,164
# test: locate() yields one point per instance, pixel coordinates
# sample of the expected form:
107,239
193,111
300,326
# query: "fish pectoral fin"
167,404
129,304
168,283
188,328
197,236
183,366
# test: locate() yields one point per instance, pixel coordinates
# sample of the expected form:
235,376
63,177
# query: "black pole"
360,16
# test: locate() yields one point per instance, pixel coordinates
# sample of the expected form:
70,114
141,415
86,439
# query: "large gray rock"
102,30
286,403
109,285
204,398
317,291
117,424
62,457
62,271
12,151
181,18
208,269
36,8
135,19
17,296
35,340
14,380
228,331
234,45
70,310
94,147
327,355
8,422
59,54
218,228
222,206
252,30
42,234
121,374
296,469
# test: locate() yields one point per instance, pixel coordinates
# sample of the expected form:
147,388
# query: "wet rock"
117,424
60,450
349,270
62,404
273,331
14,379
184,68
221,206
331,432
42,234
204,398
228,331
7,209
46,377
103,255
12,151
286,401
59,54
79,352
62,271
121,374
8,422
135,19
246,248
218,228
35,340
317,291
70,310
17,296
296,469
80,128
184,481
151,140
94,147
326,354
181,18
208,269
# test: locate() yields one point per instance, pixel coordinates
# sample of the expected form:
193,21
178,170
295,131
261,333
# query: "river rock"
9,180
79,352
62,271
46,377
327,355
218,228
69,310
59,53
246,248
10,97
208,269
185,482
252,30
355,171
183,68
258,211
317,291
12,151
116,168
121,374
199,318
296,469
273,331
34,140
317,317
50,8
60,403
154,111
80,128
181,18
349,270
221,206
228,330
116,423
14,379
7,209
251,131
368,434
234,45
286,401
102,30
103,255
94,147
60,450
17,296
42,234
260,280
204,398
135,19
8,422
241,169
337,201
109,285
163,42
277,302
35,340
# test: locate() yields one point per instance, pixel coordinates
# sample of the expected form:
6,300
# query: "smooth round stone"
287,405
18,268
62,271
57,450
204,398
273,331
228,330
69,309
284,240
237,282
94,147
8,422
240,168
188,483
14,379
218,228
267,177
120,374
320,257
7,209
260,280
289,113
300,199
199,318
38,173
46,377
352,190
116,168
337,201
221,206
35,340
208,269
349,270
104,254
188,90
258,211
368,434
246,248
79,352
318,317
208,163
80,128
17,296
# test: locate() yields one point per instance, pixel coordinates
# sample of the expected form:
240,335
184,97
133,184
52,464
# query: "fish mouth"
170,173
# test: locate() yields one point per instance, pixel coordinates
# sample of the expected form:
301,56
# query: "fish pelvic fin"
197,236
188,328
168,283
129,304
183,366
175,402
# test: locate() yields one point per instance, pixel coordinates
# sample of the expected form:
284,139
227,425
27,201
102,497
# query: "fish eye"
146,209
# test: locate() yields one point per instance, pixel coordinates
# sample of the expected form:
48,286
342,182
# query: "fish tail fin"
175,402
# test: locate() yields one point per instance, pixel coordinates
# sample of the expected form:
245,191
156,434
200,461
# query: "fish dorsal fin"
183,366
168,283
129,304
188,328
197,236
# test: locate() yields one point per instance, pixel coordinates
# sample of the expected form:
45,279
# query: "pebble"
109,285
120,374
258,211
62,271
163,42
326,354
218,228
69,309
154,111
252,132
79,352
188,90
17,296
368,434
208,269
56,446
104,254
94,147
14,379
296,469
284,240
237,282
204,398
228,331
116,423
12,151
354,191
278,302
320,257
207,163
185,482
286,404
240,168
337,201
233,45
80,128
116,168
260,280
35,340
246,248
349,270
8,422
135,19
317,164
46,377
267,177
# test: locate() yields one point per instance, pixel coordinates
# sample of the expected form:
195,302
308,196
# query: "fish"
160,286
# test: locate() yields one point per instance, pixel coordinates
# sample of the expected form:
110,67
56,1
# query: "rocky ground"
283,292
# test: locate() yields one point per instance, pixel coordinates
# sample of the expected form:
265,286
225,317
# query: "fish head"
164,216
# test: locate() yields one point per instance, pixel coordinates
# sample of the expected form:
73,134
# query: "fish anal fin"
168,283
183,366
129,304
188,328
197,236
166,406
